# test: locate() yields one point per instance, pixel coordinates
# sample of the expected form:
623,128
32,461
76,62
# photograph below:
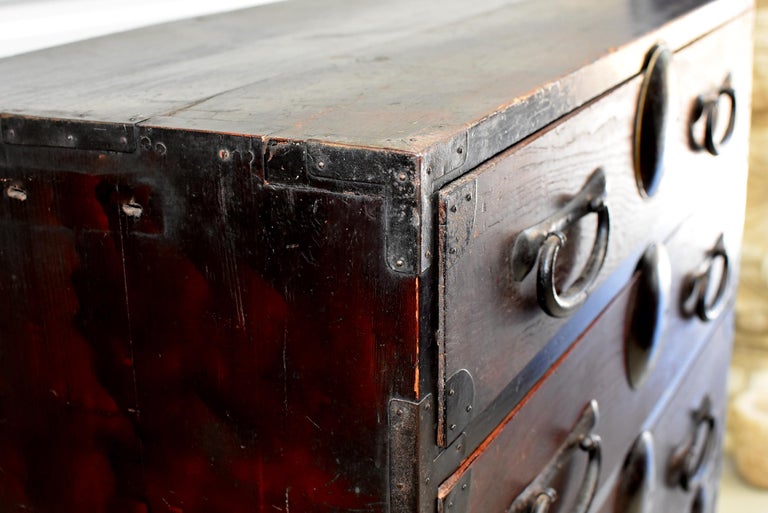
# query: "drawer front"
493,332
702,73
595,368
675,463
698,265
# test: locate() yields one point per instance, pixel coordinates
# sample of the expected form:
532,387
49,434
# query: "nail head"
132,209
15,192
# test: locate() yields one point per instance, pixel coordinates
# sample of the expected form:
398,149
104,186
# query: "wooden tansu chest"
402,257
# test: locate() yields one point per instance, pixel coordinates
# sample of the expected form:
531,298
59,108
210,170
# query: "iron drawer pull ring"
591,445
713,147
688,461
539,495
700,283
545,240
710,108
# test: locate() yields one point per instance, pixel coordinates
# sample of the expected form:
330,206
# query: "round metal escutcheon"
636,485
647,310
651,121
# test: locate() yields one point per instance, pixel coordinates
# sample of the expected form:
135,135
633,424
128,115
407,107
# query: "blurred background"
746,466
27,25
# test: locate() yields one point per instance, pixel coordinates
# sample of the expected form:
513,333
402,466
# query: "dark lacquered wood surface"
487,316
199,321
395,76
673,426
204,357
594,369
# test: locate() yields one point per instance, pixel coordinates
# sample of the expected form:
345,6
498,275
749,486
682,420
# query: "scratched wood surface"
178,332
486,316
671,427
392,75
594,370
203,357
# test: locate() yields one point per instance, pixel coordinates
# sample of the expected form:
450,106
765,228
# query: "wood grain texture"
487,317
594,369
233,348
671,425
211,319
363,74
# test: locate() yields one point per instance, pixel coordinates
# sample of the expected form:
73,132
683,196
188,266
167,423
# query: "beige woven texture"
748,422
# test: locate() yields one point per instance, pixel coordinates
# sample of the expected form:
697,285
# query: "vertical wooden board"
69,440
255,323
268,336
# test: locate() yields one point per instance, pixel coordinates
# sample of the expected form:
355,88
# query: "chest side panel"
177,333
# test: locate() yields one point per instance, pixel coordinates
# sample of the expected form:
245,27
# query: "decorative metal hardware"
417,465
358,168
697,290
545,239
687,462
62,133
539,495
636,487
651,121
708,106
647,309
459,399
462,209
457,500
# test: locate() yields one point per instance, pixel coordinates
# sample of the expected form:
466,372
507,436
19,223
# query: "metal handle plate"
544,241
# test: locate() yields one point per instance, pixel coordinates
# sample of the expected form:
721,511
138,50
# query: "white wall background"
27,25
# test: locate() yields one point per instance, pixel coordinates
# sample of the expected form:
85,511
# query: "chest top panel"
381,75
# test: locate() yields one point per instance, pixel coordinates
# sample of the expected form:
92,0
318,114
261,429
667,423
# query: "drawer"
702,73
596,368
695,279
495,340
675,462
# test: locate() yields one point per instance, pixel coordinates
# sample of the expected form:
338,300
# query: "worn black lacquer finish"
224,243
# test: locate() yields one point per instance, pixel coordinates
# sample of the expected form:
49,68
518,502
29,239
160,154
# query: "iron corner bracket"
417,465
